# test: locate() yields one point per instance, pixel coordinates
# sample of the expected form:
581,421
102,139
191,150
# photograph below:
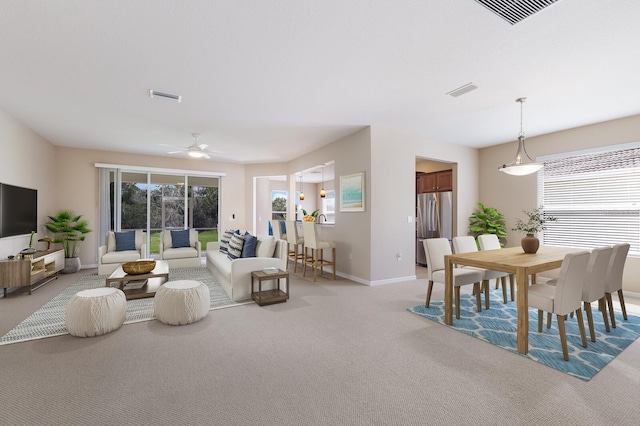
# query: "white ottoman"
94,312
181,302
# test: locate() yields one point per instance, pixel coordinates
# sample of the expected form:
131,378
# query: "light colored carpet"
48,321
498,326
336,353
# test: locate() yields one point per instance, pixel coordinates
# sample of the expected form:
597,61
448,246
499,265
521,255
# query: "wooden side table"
269,297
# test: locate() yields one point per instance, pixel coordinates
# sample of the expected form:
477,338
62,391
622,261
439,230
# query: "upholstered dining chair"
467,244
491,242
435,250
295,243
316,258
613,282
564,297
593,288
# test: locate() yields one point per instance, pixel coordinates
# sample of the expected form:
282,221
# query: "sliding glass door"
163,201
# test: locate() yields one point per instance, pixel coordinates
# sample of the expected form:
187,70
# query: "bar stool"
316,245
296,245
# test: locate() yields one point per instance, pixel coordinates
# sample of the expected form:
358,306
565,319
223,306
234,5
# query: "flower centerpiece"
537,221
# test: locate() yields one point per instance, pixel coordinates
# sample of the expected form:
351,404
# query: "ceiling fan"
194,150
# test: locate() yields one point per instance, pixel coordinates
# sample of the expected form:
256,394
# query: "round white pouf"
181,302
95,312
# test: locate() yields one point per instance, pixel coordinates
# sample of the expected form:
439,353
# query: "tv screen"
18,210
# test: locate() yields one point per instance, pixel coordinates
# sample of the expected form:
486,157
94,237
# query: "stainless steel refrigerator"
434,219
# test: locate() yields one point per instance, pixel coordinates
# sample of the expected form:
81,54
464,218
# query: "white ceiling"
268,81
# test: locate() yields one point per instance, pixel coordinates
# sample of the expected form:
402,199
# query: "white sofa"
235,275
109,259
181,257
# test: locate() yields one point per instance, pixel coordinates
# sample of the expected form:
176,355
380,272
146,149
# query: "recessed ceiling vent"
462,90
154,93
514,11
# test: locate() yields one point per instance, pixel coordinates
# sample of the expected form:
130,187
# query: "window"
595,196
278,205
329,206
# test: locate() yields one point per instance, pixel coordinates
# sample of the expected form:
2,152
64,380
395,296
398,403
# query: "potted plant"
69,230
536,222
488,220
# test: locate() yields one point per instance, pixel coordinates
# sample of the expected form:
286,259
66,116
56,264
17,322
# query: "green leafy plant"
488,220
536,221
69,230
312,214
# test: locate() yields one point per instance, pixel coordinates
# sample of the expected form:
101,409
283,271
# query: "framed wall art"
352,193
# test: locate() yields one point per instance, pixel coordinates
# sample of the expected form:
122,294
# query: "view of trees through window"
278,205
167,206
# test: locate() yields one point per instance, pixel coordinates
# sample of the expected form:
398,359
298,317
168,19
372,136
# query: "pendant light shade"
323,193
301,197
523,164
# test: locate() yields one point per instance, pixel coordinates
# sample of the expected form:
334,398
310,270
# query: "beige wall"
29,161
512,194
393,200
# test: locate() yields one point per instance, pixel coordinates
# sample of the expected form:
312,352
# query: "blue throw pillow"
283,227
180,239
250,244
125,240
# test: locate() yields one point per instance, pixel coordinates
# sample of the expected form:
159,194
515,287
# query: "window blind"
596,198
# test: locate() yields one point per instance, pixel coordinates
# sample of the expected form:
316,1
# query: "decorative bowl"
139,267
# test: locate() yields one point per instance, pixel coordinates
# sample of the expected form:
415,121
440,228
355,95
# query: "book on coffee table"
271,270
135,284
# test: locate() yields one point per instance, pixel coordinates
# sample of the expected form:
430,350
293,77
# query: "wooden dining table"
512,260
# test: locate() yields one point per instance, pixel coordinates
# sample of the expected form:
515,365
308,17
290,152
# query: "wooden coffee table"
154,279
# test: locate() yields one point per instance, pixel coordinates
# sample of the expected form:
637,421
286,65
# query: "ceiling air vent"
154,93
514,11
462,90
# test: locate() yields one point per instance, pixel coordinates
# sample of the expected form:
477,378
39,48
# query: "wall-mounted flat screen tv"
18,210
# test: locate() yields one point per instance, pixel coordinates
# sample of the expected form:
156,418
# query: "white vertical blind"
596,198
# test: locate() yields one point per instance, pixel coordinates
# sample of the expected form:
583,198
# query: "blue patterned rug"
48,321
498,326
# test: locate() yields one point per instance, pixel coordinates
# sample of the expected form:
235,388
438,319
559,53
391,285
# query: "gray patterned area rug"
48,321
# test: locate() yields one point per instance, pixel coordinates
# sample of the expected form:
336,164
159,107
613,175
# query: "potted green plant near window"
536,221
69,230
488,220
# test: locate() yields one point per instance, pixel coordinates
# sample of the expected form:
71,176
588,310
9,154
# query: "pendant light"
323,193
301,197
523,164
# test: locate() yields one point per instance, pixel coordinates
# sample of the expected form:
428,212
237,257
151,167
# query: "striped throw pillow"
224,240
235,246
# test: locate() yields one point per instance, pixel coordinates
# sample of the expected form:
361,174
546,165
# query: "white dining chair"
594,285
564,297
435,250
613,282
467,244
491,242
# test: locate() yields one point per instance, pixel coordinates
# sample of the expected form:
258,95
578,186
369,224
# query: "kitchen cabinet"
434,182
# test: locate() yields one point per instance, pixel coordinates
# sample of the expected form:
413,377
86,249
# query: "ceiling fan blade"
203,146
175,152
206,156
172,146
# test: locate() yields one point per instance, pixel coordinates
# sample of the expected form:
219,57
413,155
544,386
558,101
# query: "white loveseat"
109,258
235,275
